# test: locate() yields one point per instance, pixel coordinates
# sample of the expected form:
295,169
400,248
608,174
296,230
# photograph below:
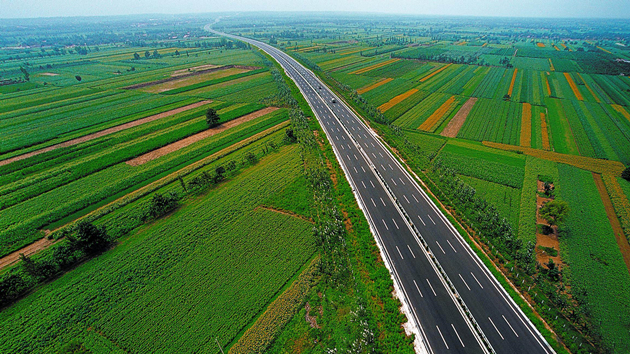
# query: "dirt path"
27,251
458,120
284,212
624,247
104,132
152,155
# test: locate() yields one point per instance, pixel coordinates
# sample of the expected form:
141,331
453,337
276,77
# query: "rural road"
420,245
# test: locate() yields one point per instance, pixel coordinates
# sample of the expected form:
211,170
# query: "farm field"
222,229
244,237
80,138
517,111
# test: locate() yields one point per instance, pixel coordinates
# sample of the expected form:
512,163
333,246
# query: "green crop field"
556,97
146,310
103,120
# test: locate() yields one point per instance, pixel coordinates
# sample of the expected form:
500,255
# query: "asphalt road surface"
401,214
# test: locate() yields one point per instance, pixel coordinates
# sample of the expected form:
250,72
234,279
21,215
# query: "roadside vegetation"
522,138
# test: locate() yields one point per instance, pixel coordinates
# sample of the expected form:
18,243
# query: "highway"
415,237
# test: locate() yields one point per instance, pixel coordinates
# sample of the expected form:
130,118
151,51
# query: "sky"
503,8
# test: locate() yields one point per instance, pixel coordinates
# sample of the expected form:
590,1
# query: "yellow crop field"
437,115
526,125
621,110
551,65
484,45
620,202
435,72
512,83
544,132
556,47
373,86
375,66
540,45
586,163
574,87
589,88
394,101
605,50
547,82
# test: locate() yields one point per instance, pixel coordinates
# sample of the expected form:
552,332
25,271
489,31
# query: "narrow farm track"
150,156
108,131
624,247
458,121
27,251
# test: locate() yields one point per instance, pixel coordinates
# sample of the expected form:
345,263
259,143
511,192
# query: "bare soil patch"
543,240
193,69
458,120
173,78
311,319
49,74
105,132
27,251
152,155
191,80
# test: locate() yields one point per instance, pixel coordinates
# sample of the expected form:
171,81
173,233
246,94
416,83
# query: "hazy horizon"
613,9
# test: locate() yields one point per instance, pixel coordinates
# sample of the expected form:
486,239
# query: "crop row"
115,149
506,199
109,112
213,82
493,120
484,164
588,245
20,222
117,294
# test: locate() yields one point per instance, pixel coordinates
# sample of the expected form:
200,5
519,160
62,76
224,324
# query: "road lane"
501,321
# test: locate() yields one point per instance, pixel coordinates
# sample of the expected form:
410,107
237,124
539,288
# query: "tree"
27,76
251,158
89,238
78,78
156,55
176,52
136,56
289,137
626,174
212,118
554,212
220,172
162,204
147,54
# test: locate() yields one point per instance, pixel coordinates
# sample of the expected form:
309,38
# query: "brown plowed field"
105,132
458,120
150,156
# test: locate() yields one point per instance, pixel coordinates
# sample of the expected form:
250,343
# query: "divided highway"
401,215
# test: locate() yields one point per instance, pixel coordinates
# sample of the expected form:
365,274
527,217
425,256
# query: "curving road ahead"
423,250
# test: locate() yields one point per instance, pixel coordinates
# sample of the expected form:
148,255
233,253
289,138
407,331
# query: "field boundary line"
457,122
107,131
582,162
620,237
375,85
187,141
